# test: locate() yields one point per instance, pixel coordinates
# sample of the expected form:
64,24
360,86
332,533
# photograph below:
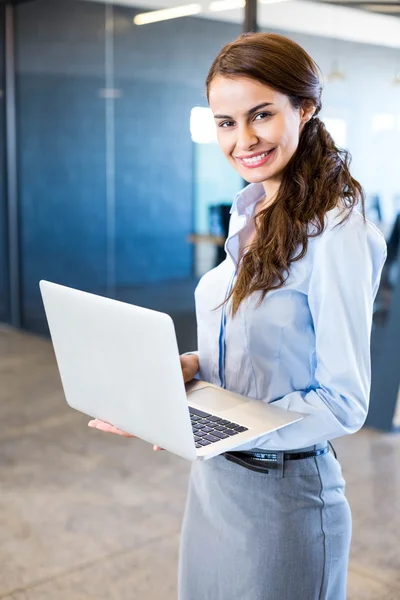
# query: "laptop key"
221,434
197,412
212,438
204,442
240,429
231,432
207,429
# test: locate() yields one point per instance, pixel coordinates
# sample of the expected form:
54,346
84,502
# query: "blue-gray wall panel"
64,129
4,276
62,182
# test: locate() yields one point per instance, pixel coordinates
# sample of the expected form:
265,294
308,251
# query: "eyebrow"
249,112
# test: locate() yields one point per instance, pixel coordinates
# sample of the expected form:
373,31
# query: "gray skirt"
281,535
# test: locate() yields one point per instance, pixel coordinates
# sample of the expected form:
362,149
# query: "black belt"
260,461
273,456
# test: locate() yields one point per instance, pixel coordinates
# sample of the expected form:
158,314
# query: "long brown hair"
317,177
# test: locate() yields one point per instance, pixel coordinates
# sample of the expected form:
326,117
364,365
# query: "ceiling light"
168,13
232,4
336,73
271,1
227,5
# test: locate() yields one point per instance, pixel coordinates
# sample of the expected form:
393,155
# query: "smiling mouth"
258,160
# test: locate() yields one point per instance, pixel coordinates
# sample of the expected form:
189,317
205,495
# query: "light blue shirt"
307,347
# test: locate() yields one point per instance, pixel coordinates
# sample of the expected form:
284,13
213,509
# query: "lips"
255,154
256,160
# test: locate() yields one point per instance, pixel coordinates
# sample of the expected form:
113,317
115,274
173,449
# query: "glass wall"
118,194
61,126
107,176
4,278
158,78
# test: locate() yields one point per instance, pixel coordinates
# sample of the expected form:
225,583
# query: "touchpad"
211,398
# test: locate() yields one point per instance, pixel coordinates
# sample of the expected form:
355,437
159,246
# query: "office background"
111,181
109,178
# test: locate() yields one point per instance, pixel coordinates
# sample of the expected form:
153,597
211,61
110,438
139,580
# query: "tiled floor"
86,516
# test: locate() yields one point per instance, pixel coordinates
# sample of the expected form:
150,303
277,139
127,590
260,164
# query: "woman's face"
258,130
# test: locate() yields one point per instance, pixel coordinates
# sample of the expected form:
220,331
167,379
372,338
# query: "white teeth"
255,159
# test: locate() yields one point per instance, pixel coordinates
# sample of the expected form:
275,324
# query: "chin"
255,177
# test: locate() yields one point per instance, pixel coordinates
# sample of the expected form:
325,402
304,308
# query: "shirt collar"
248,197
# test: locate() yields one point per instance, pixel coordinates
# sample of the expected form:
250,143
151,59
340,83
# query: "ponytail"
316,180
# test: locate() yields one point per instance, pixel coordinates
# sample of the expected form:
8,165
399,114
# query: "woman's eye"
263,115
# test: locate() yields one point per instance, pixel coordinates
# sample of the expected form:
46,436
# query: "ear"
307,111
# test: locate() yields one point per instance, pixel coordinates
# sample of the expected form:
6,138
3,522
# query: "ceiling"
385,7
350,20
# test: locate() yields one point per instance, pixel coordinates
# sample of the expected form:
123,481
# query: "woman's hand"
189,365
108,428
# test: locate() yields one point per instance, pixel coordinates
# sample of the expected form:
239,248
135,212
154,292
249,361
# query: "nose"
246,138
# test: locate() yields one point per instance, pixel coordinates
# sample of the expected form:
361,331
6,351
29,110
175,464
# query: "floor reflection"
90,516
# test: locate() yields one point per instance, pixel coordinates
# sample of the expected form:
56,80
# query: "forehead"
239,94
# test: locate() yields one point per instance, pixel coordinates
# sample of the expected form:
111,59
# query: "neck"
271,189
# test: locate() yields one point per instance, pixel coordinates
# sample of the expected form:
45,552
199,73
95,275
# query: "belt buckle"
268,458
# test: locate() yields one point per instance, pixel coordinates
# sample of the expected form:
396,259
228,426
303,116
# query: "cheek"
226,144
274,133
290,144
290,136
284,133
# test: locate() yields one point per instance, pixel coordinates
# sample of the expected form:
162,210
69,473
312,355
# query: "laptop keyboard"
208,429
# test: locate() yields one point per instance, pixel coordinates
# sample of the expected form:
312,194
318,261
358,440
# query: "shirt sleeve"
346,270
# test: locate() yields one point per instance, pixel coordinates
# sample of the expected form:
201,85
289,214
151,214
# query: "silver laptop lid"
120,363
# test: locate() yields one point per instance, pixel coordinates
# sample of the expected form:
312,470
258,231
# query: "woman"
285,319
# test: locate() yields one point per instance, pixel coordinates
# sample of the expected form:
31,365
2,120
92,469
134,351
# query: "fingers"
107,427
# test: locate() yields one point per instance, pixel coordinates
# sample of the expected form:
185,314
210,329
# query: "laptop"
120,363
